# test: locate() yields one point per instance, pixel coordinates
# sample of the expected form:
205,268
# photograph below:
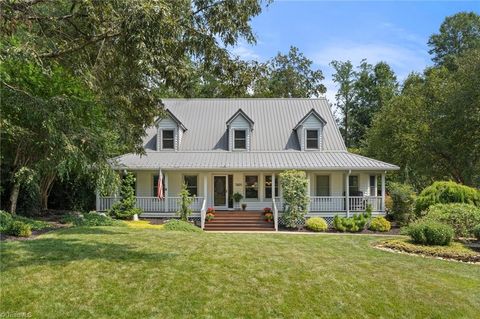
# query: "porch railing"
338,203
153,204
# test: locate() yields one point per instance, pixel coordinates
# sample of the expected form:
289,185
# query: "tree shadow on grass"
55,251
90,231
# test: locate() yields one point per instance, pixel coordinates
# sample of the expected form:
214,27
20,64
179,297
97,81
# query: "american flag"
160,192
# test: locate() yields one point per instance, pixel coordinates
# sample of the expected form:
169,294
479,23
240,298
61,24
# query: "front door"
220,191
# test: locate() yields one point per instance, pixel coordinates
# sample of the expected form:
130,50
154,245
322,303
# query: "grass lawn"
122,272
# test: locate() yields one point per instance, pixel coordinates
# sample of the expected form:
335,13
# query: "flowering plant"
267,210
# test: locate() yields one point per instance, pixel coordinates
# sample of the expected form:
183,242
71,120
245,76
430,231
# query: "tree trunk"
14,198
46,184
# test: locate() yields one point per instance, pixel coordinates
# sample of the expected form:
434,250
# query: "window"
312,139
323,185
353,186
240,139
168,139
251,186
373,185
192,184
269,184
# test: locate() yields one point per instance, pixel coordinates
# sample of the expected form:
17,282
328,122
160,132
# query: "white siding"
239,123
167,123
311,122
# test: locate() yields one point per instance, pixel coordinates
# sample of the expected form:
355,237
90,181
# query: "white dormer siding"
239,123
168,124
310,123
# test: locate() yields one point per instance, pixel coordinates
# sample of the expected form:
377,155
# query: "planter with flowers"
267,210
269,216
210,214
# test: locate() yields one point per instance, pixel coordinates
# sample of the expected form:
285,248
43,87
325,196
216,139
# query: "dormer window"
312,139
168,139
240,140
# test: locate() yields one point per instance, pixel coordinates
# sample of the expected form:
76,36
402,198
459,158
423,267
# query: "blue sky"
393,31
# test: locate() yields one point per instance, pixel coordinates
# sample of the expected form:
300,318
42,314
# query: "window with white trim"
251,186
269,186
322,185
312,139
373,185
168,139
192,184
240,139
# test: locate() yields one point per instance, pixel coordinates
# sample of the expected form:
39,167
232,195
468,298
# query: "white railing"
327,203
203,214
105,203
360,203
275,214
337,203
153,204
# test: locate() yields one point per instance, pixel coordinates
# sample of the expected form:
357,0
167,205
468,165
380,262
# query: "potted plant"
210,214
267,210
244,206
237,197
269,216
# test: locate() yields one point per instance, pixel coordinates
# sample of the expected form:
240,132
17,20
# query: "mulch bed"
470,253
35,233
393,231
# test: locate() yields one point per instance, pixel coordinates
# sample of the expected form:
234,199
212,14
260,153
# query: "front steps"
239,221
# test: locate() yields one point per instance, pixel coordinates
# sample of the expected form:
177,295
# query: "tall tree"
116,51
289,75
432,129
458,34
344,76
374,86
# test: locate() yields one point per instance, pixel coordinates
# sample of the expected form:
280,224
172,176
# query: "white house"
222,146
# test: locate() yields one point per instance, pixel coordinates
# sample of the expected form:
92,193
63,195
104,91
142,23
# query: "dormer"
310,131
169,132
239,128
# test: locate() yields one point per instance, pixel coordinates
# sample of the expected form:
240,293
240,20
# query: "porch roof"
222,160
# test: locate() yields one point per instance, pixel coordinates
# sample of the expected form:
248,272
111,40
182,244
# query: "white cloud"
245,52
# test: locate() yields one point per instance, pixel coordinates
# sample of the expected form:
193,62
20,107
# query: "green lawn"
149,273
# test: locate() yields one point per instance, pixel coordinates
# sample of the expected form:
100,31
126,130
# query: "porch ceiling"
250,160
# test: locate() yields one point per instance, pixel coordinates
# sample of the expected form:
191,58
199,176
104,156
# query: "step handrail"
203,213
275,214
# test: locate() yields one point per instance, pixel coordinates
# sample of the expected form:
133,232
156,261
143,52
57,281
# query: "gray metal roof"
326,160
274,120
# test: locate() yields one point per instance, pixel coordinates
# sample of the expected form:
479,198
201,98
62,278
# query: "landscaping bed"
460,251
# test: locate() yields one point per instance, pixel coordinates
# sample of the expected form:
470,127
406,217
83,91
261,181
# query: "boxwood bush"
380,224
462,217
444,193
317,224
352,224
432,233
476,232
18,229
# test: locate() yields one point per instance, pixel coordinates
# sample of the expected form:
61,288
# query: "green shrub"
91,219
317,224
295,197
352,224
444,193
403,201
476,232
19,229
34,224
430,233
5,220
125,208
180,225
380,224
461,217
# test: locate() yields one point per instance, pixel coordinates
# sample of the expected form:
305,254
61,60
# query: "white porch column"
309,191
166,191
205,188
347,193
383,192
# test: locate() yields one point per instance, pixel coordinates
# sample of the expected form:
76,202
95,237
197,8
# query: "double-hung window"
251,186
168,139
312,139
269,186
322,185
192,184
240,139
